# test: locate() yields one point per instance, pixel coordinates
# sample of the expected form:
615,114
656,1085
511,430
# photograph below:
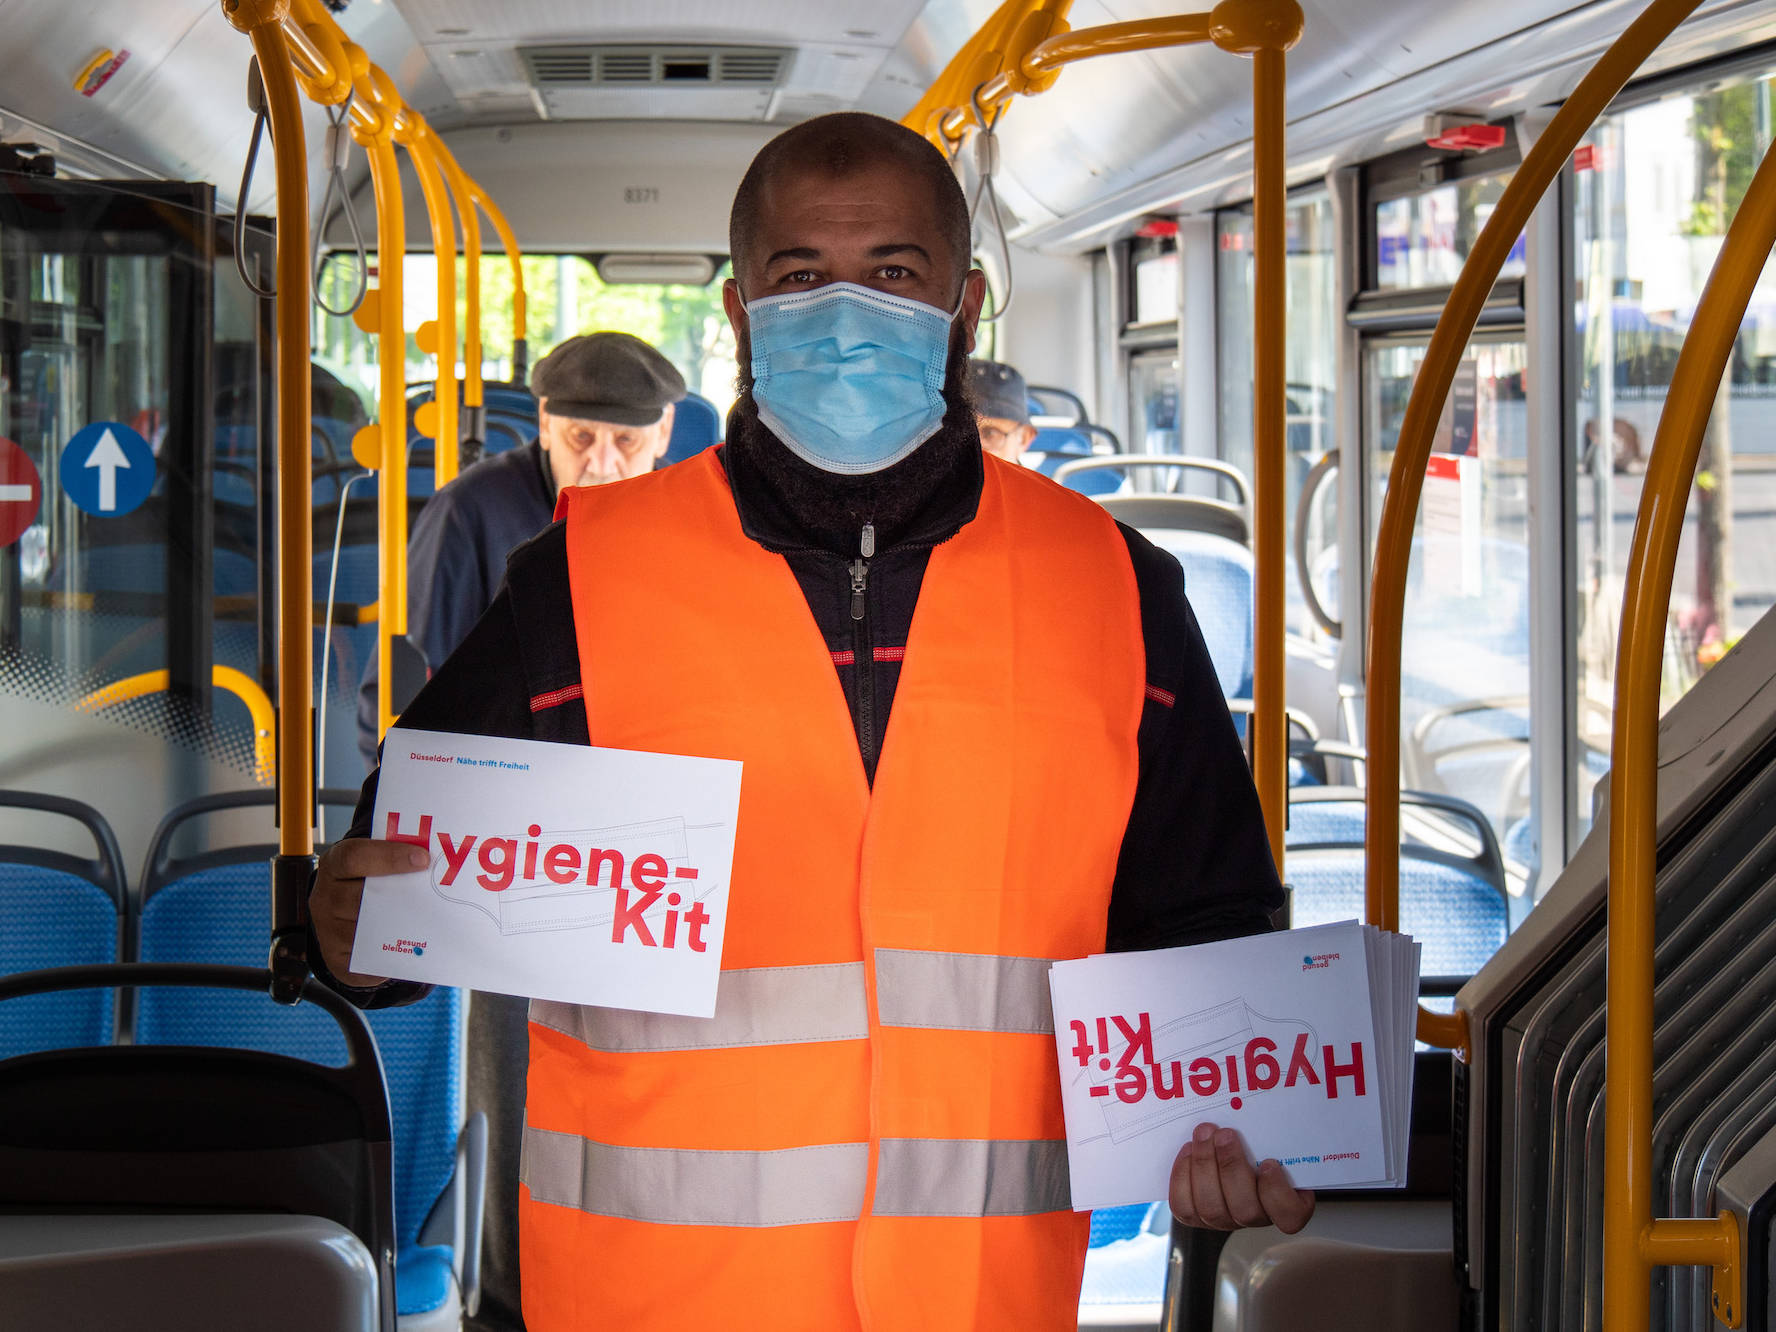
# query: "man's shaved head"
840,145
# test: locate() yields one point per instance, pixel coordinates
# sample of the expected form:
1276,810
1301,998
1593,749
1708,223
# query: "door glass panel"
135,627
1422,240
1464,719
1655,187
1153,402
1310,371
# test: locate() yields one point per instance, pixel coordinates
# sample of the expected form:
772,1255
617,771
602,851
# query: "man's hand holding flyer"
524,897
1301,1040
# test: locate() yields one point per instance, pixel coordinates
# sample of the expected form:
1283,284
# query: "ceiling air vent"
562,64
762,68
625,67
562,68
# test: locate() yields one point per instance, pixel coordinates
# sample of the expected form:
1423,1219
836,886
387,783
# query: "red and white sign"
21,492
589,876
1301,1040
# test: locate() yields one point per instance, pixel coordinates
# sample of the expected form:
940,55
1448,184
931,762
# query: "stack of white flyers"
1301,1040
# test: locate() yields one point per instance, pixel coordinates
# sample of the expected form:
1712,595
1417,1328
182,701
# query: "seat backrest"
695,426
1458,917
59,910
1055,446
510,399
214,908
152,1131
1110,1224
1218,584
1451,901
1045,400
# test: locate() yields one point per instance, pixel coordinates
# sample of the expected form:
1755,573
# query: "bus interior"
1434,340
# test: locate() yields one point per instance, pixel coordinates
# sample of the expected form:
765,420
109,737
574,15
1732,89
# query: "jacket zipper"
862,650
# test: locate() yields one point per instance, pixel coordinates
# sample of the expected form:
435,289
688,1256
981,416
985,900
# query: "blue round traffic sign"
107,469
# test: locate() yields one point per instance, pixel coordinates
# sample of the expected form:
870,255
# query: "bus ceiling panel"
170,101
691,60
642,186
1169,130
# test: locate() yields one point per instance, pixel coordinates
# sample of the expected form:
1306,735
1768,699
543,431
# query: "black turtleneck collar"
786,504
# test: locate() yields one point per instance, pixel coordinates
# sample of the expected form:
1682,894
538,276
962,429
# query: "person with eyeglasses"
1001,409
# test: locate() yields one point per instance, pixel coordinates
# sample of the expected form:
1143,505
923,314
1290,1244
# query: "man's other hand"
1216,1187
339,891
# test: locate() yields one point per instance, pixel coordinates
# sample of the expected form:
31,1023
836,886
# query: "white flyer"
566,872
1301,1040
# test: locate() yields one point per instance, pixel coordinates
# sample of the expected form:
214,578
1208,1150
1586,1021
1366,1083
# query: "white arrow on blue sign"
107,469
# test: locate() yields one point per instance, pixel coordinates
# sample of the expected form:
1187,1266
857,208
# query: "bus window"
1423,238
1464,716
1655,186
1310,370
563,296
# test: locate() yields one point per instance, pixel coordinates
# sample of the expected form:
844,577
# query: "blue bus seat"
59,910
1454,903
511,399
1218,582
1057,445
213,908
1125,1267
695,426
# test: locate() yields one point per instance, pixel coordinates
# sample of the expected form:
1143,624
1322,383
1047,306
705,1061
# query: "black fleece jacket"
1195,864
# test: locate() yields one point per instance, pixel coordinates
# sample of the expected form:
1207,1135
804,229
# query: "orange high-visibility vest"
868,1133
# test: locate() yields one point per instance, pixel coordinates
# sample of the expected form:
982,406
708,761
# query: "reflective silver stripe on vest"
797,1186
971,1177
753,1006
963,991
671,1187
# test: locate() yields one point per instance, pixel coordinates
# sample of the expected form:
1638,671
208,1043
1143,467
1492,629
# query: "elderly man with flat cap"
980,731
604,413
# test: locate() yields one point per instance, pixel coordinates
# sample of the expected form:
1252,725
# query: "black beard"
834,507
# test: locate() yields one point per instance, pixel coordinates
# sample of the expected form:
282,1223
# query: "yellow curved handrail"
311,50
439,337
463,191
1021,50
1633,1241
509,243
266,22
383,446
242,686
1393,541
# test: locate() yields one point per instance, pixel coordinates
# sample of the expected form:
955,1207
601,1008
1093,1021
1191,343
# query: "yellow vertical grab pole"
520,348
292,869
1399,513
1633,1242
439,337
1264,30
463,190
391,353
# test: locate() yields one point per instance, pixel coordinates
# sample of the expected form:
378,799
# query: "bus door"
1465,717
132,564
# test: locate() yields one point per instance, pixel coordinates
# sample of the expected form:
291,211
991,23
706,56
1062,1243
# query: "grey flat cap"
998,392
613,377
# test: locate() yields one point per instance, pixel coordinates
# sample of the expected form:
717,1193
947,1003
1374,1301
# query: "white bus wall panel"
1047,333
595,186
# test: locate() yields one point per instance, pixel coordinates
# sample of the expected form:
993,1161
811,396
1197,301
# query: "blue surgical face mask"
850,379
